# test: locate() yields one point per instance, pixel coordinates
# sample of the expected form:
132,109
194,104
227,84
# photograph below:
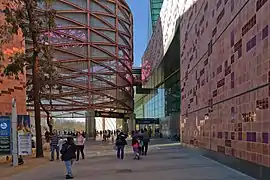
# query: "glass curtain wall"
139,108
164,101
154,106
155,6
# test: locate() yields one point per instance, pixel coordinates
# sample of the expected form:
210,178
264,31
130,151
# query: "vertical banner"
24,135
5,147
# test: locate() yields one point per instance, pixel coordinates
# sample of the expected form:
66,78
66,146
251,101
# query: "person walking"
146,140
150,133
68,152
54,145
136,147
120,144
80,145
104,136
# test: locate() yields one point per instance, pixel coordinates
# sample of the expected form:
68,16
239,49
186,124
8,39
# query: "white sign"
24,135
24,144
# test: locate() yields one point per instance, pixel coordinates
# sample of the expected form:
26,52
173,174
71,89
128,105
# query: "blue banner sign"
147,120
5,124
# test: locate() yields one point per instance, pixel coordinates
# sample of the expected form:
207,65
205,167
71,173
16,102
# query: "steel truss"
93,42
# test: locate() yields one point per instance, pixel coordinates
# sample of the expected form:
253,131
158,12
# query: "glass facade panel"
110,20
110,49
96,7
57,5
155,6
95,53
110,34
94,22
97,38
154,106
164,100
110,5
77,49
79,17
82,4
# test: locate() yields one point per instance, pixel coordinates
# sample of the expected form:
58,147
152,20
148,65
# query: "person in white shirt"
80,140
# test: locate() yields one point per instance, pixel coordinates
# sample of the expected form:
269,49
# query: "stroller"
136,148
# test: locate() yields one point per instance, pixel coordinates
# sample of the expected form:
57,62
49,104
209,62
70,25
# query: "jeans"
54,148
120,151
68,167
80,149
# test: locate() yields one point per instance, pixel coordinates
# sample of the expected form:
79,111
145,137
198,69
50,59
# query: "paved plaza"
165,161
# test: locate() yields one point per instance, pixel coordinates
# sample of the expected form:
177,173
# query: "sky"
140,13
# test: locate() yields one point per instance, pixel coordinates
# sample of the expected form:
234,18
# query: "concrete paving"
164,162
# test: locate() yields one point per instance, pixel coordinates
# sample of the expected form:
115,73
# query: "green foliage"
47,72
18,63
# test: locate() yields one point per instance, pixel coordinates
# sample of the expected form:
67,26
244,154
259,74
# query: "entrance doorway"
148,123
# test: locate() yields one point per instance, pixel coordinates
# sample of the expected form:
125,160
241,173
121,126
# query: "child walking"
136,148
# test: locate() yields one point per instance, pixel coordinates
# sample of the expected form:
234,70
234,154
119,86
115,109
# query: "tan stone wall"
225,91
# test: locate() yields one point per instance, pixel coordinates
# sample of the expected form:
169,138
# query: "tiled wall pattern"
162,36
225,76
11,87
153,53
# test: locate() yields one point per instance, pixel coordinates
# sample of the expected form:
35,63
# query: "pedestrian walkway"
163,162
92,149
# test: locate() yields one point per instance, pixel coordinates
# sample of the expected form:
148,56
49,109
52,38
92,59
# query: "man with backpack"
120,144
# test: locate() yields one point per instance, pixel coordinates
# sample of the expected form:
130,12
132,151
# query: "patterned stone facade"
225,75
11,87
162,37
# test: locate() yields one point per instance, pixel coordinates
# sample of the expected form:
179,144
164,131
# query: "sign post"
14,134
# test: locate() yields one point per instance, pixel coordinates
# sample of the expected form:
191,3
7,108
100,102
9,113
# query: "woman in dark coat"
68,152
